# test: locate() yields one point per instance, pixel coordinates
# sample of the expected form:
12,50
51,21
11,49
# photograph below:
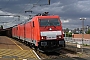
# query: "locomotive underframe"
51,45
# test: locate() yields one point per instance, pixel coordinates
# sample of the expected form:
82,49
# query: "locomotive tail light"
43,37
43,43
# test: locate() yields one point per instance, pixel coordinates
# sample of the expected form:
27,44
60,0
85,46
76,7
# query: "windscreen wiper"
46,25
53,25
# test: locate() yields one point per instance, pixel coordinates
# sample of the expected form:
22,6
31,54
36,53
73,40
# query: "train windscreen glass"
49,22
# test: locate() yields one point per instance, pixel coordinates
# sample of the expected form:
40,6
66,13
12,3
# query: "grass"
85,45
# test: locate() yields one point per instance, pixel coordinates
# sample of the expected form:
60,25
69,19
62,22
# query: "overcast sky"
69,11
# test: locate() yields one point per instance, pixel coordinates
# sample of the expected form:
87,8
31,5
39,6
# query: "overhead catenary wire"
6,4
43,4
31,7
37,3
3,9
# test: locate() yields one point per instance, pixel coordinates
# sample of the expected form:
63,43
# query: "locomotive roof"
49,16
41,17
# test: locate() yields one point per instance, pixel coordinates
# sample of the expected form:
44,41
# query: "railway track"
53,55
12,48
62,54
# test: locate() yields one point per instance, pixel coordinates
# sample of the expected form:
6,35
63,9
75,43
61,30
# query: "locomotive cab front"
51,34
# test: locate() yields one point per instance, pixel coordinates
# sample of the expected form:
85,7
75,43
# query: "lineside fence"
77,40
75,44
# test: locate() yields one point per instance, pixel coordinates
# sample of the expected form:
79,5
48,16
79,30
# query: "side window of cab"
33,24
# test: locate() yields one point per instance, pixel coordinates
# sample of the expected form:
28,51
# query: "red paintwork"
28,31
18,31
14,31
21,31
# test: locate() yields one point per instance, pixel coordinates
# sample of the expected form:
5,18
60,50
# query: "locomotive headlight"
43,37
43,43
59,36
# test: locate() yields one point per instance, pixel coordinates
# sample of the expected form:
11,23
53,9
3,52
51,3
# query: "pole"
18,18
49,2
82,33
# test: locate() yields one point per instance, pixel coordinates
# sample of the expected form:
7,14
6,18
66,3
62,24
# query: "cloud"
69,10
65,21
9,21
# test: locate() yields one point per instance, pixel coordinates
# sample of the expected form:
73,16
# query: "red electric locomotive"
43,32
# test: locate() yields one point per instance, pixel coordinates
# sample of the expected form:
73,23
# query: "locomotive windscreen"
49,22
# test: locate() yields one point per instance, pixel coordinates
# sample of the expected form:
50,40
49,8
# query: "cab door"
32,31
